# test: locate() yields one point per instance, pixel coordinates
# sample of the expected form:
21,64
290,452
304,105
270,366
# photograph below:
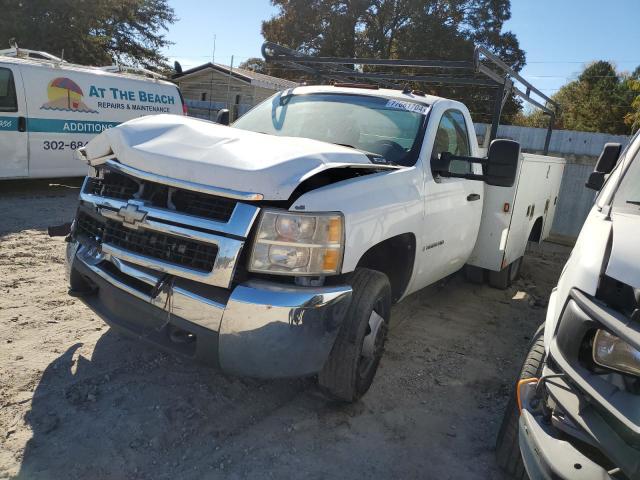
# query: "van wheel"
503,279
507,446
354,360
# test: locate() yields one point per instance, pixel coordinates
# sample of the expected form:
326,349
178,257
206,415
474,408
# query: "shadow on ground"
149,410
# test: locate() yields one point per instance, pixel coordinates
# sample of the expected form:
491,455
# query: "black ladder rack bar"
486,70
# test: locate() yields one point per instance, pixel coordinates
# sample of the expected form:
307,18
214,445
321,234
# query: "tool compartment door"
556,170
539,180
14,158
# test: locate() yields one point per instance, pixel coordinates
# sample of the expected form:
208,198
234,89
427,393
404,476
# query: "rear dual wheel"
353,362
505,277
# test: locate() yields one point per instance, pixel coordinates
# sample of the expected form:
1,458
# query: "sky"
558,36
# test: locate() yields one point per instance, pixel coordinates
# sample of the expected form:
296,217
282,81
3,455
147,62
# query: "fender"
375,207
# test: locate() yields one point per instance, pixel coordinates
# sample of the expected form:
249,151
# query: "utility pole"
229,84
213,62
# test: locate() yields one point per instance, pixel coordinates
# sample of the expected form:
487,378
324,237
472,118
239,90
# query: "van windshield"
386,127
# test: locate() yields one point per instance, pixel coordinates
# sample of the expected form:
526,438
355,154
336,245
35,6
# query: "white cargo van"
49,108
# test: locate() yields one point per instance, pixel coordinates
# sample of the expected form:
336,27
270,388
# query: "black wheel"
474,274
514,269
507,447
354,360
503,279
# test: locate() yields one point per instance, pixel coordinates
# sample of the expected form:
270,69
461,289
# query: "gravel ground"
79,401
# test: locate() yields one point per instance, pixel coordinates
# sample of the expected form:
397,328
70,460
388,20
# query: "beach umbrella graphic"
70,86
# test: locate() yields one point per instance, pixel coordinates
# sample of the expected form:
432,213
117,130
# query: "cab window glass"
452,137
8,101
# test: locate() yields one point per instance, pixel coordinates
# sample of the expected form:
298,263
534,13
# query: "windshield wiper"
634,202
373,157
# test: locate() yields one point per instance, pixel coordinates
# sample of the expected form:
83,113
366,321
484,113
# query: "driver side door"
453,206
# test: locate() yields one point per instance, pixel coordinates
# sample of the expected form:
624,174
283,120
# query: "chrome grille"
193,231
122,187
151,244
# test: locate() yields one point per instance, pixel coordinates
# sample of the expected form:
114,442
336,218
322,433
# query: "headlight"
298,243
612,352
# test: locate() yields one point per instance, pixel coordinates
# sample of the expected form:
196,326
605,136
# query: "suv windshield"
386,127
628,194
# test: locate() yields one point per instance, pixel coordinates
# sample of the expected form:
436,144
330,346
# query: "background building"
211,86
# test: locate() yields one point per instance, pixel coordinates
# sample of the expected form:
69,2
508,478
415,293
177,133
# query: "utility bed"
514,215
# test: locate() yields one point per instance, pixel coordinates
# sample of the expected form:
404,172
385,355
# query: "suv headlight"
612,352
298,243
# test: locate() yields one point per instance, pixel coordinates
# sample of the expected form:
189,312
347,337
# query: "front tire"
353,362
508,453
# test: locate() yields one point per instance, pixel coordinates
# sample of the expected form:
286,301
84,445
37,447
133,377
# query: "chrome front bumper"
257,329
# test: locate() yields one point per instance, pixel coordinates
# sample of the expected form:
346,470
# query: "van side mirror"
223,116
605,164
502,163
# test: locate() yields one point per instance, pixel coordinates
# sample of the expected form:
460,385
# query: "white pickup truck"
275,247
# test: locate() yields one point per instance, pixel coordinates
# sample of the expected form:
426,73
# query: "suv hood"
207,153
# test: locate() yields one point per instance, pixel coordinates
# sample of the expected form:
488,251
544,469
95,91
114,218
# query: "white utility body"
514,215
281,241
49,108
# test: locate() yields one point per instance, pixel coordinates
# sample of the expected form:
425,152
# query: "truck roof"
66,66
373,92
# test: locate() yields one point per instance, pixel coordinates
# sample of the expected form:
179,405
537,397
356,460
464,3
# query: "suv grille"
179,251
123,187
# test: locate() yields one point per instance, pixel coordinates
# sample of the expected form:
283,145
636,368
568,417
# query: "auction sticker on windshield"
409,106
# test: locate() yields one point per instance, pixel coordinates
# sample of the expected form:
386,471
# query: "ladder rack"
484,69
16,52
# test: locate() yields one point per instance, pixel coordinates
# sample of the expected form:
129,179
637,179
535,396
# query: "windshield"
628,195
388,128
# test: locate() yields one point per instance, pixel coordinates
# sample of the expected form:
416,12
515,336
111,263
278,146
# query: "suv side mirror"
605,164
502,163
223,116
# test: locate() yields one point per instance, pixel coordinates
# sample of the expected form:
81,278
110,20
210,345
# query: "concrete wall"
581,150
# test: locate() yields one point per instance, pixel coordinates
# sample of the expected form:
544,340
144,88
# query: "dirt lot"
79,401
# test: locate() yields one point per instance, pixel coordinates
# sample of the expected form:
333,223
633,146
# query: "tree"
410,29
632,118
254,64
599,100
94,32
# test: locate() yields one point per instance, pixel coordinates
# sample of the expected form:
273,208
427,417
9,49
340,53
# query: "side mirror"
223,116
502,163
605,164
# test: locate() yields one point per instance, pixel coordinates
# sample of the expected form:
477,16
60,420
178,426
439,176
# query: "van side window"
8,100
452,136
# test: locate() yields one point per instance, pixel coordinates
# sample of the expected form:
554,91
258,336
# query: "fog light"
612,352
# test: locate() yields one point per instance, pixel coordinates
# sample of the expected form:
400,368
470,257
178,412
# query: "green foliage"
632,118
93,32
408,29
599,100
254,64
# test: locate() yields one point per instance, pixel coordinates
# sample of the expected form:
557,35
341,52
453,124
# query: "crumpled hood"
624,261
216,155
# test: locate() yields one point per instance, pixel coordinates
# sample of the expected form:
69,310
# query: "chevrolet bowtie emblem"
132,215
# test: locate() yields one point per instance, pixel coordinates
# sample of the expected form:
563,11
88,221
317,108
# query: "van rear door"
14,159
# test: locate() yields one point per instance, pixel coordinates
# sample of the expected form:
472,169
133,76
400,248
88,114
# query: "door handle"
22,124
472,197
